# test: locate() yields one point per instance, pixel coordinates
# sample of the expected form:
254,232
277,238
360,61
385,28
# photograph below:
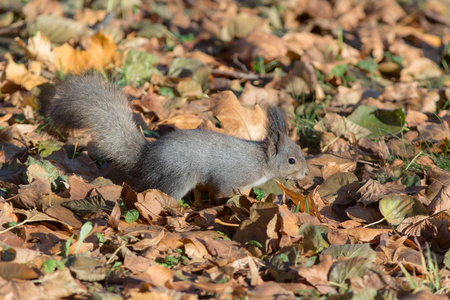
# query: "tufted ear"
274,141
276,120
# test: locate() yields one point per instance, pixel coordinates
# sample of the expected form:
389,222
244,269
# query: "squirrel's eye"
291,161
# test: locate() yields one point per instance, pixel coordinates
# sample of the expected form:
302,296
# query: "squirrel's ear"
274,141
276,120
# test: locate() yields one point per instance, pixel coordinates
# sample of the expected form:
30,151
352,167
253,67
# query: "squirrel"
179,160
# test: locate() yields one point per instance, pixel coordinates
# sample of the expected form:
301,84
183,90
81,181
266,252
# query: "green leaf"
379,121
139,66
367,65
131,216
100,238
338,71
313,237
259,193
190,68
352,250
367,294
151,30
395,208
280,261
45,148
86,206
56,178
84,232
67,246
50,265
353,267
255,243
411,180
166,91
58,29
447,259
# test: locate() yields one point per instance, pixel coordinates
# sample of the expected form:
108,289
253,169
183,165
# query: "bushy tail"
88,101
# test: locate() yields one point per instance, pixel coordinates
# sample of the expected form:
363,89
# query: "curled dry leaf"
21,76
342,126
236,120
152,203
38,49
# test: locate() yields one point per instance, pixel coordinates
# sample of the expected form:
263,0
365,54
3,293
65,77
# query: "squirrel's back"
180,160
90,102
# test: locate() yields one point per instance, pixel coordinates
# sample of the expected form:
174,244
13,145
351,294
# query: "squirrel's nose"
307,171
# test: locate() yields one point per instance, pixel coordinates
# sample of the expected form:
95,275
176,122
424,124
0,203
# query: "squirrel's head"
284,156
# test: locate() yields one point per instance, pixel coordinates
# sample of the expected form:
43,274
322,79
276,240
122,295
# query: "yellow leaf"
19,75
101,52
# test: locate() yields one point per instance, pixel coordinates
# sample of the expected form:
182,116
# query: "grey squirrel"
179,160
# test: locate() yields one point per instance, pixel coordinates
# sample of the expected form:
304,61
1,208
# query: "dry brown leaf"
414,118
41,7
81,190
159,275
38,49
227,250
10,270
148,242
186,121
441,197
65,215
241,25
19,289
420,69
100,53
261,226
255,278
236,120
89,16
265,97
307,72
137,264
348,96
364,214
152,203
433,132
19,254
363,235
317,275
270,290
341,126
19,75
61,284
114,217
30,195
375,281
261,43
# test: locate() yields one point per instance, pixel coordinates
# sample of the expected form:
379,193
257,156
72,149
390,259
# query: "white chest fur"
256,183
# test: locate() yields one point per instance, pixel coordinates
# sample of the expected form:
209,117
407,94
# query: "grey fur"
180,160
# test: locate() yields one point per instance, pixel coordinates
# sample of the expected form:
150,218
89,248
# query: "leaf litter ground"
365,83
